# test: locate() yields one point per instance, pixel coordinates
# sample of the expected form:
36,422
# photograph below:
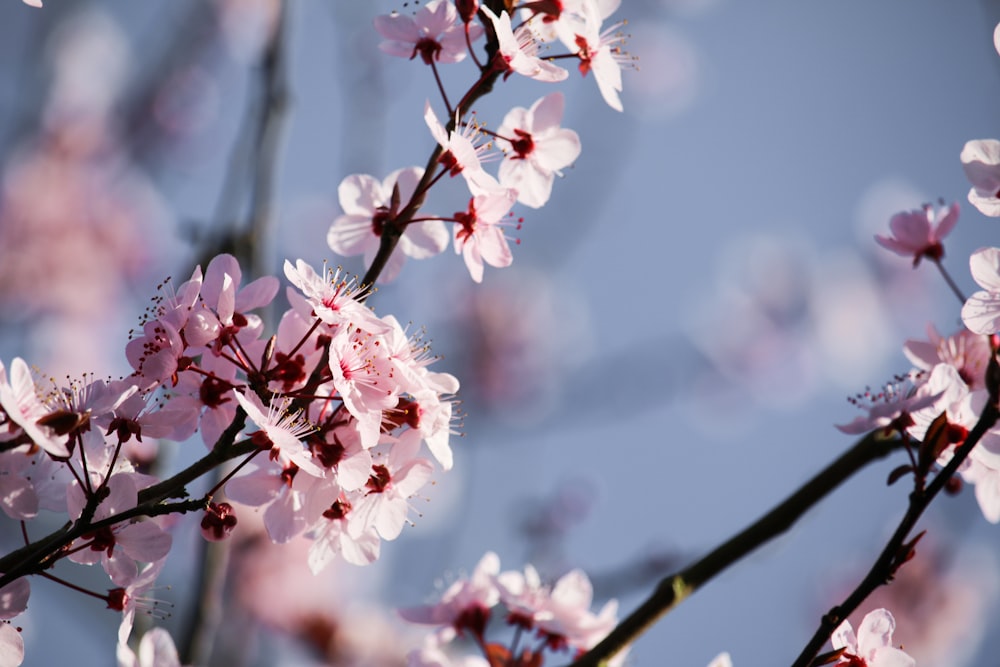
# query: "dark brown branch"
673,589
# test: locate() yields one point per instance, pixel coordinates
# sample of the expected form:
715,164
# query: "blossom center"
524,145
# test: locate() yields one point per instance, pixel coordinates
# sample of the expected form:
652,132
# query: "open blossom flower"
872,646
432,32
460,153
918,234
466,604
280,433
368,205
518,51
599,52
118,547
479,235
981,312
981,162
22,408
538,149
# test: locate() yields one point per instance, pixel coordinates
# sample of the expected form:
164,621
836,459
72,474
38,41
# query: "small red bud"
467,9
218,522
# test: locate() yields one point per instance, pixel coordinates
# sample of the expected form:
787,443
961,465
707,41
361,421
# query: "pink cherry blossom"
599,52
391,485
981,162
133,597
368,205
466,604
23,408
538,149
431,32
967,352
341,531
333,298
518,51
981,312
281,433
479,235
873,643
561,613
461,155
918,234
117,547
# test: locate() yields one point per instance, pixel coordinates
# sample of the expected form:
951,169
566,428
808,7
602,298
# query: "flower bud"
218,522
467,9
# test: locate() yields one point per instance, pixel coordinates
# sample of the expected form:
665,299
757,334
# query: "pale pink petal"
398,27
144,541
981,313
546,113
11,643
985,266
352,235
424,239
875,631
359,194
14,598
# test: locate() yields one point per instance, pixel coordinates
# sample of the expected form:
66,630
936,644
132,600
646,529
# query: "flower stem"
948,279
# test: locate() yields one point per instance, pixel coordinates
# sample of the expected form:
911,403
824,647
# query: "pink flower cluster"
342,401
558,615
536,149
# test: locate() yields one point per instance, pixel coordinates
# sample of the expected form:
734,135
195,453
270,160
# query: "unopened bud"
218,522
467,9
953,486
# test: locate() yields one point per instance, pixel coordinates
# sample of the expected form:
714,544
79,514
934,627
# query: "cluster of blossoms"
341,400
535,148
558,617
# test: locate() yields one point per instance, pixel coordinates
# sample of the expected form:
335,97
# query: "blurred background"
663,362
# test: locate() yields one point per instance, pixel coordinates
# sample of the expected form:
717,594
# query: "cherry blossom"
368,205
466,604
386,503
460,153
281,433
599,52
518,51
981,312
479,236
23,408
981,162
969,353
918,234
872,646
341,531
117,547
538,149
560,614
132,597
431,32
